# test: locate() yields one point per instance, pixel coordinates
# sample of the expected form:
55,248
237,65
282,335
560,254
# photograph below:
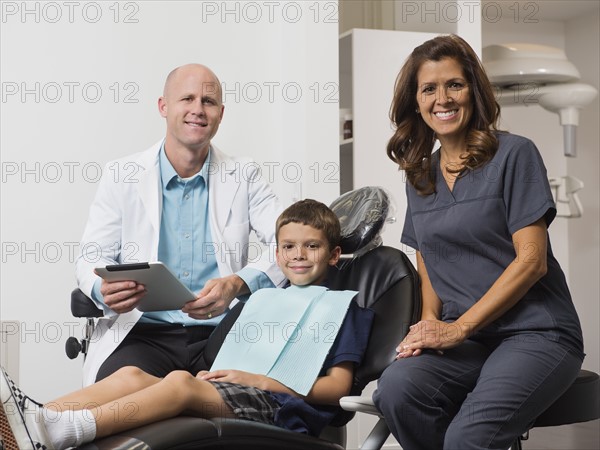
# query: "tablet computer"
164,291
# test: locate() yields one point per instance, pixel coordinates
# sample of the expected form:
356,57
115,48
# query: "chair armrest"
83,306
380,432
362,404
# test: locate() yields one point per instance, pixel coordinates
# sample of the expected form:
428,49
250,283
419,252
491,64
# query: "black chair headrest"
362,213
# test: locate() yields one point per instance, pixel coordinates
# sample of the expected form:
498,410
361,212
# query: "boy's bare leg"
177,393
121,383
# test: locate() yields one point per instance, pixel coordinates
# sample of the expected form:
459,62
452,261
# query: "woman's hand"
430,334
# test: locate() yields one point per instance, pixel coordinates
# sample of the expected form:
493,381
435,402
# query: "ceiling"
557,10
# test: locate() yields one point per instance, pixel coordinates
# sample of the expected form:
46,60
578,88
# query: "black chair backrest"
388,283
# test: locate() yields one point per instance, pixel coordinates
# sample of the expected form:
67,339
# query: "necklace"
445,159
451,170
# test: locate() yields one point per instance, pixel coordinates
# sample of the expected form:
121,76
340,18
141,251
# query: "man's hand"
215,297
431,334
122,296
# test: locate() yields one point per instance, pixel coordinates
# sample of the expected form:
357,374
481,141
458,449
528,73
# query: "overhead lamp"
531,73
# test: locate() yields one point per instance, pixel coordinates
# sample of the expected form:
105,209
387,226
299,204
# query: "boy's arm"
334,385
327,390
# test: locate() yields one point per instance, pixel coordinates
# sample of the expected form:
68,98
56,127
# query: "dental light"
537,74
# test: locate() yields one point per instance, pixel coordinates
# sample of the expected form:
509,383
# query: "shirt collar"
168,173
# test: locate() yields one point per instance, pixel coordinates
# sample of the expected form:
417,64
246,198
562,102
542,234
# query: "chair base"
190,433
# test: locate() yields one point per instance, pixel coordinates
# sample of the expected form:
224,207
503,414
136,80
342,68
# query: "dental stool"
580,403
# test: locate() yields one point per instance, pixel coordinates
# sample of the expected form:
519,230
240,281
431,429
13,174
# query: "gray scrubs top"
465,238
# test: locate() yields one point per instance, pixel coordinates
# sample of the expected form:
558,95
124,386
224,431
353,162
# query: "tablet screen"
164,291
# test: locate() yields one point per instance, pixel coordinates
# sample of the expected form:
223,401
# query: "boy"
307,234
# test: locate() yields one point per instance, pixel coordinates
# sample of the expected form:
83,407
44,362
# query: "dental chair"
386,282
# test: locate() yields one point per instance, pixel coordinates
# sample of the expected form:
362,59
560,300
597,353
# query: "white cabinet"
369,64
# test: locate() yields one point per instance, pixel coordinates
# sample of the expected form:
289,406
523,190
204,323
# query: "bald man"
187,204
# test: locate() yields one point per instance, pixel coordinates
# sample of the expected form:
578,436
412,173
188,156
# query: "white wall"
582,38
79,87
575,241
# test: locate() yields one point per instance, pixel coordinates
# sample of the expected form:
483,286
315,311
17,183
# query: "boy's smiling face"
303,254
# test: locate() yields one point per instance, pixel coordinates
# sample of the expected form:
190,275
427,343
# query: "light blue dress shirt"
185,244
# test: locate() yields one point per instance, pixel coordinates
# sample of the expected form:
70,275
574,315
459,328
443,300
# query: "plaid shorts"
248,403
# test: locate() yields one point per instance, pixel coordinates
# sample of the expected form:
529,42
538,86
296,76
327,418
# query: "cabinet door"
376,58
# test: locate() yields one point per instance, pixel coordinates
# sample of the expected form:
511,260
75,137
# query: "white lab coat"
124,227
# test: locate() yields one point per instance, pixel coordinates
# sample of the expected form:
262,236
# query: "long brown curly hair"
412,144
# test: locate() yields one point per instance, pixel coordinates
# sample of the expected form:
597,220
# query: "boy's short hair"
315,214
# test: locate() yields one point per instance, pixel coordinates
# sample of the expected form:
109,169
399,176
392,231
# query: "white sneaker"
21,419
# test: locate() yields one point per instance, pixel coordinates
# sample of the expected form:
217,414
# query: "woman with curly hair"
499,338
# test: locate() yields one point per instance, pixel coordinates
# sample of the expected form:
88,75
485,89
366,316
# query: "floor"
579,436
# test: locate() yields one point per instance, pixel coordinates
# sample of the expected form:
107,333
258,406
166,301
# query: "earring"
417,111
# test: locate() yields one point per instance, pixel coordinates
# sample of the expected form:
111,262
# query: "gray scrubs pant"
479,395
